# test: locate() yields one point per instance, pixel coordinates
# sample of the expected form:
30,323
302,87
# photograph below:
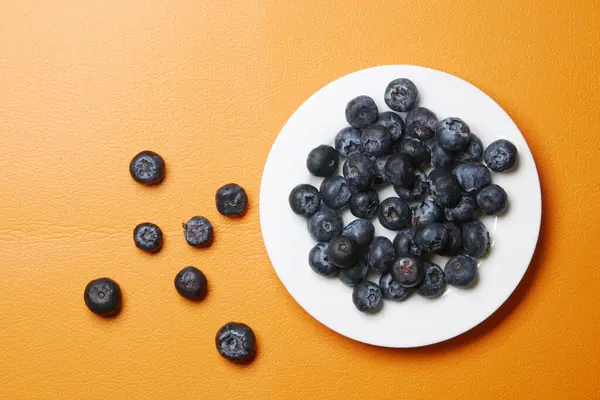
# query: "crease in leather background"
86,85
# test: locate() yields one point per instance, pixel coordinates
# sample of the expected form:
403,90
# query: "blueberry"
322,161
364,204
325,224
404,243
492,199
376,140
335,192
354,275
379,169
236,342
438,173
361,231
440,157
343,251
394,213
461,271
361,111
399,170
393,123
415,149
423,116
464,211
407,271
500,155
231,200
147,168
426,212
319,262
103,297
453,134
454,243
416,191
419,131
148,237
473,152
190,282
444,189
358,171
381,254
401,95
392,290
305,200
367,297
431,238
198,232
347,141
475,239
471,177
434,281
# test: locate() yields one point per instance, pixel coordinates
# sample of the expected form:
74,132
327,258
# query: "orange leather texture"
208,84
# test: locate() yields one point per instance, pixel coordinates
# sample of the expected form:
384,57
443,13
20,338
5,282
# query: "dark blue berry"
431,238
147,168
492,199
453,134
305,200
379,169
419,131
190,283
399,170
394,213
148,237
416,191
464,211
231,200
103,297
236,342
471,177
381,254
401,95
473,152
415,149
198,232
434,281
426,212
404,243
347,141
461,271
322,161
440,157
354,275
325,224
500,155
444,189
335,192
319,262
454,243
361,231
361,111
358,171
367,297
407,271
392,290
343,251
423,116
376,140
475,239
364,204
393,123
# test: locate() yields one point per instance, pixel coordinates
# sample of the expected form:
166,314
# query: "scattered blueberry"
190,282
399,170
492,199
103,297
419,131
471,177
453,134
416,191
444,189
343,251
236,342
415,149
335,192
401,95
358,171
361,111
376,140
147,168
361,231
431,238
305,200
426,212
440,158
364,204
461,271
319,262
404,243
438,173
475,239
379,169
322,161
393,123
381,254
354,275
434,281
231,200
464,211
367,297
454,243
500,155
473,152
198,232
148,237
407,271
325,224
392,290
394,213
423,116
347,141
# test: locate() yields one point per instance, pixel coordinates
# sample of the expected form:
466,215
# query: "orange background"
208,84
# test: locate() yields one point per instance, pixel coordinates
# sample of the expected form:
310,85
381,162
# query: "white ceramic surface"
415,321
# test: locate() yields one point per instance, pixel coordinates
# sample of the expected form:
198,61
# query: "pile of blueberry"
234,341
435,168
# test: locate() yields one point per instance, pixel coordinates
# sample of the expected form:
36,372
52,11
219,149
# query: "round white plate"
416,321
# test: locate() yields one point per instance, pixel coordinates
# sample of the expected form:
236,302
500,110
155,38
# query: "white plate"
415,321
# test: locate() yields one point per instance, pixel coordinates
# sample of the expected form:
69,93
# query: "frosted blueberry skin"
492,199
393,123
434,281
500,155
361,111
475,239
461,271
401,95
416,190
148,237
358,171
236,342
364,204
453,134
440,157
103,297
376,141
354,275
464,211
381,254
431,238
347,141
426,212
305,200
325,224
422,115
191,283
404,243
394,213
147,168
407,271
361,231
399,170
417,150
472,177
335,192
231,200
392,290
367,297
198,232
319,262
322,161
473,152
